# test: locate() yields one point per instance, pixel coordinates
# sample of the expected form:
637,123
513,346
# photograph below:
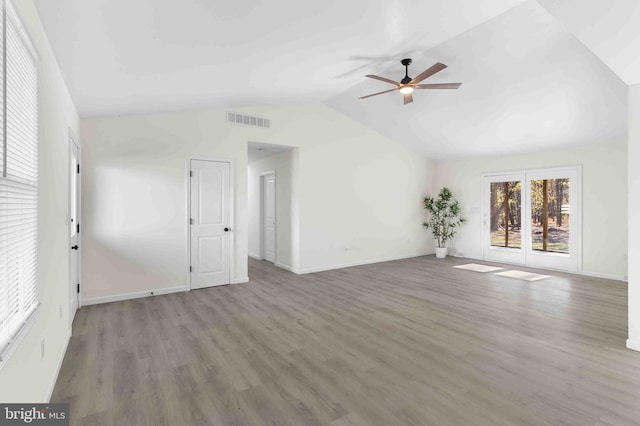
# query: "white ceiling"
610,28
259,150
528,83
124,56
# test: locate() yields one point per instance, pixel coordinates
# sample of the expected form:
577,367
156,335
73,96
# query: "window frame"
18,325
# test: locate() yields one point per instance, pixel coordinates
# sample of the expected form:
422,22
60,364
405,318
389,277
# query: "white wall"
634,218
134,198
364,193
359,194
284,164
26,377
604,199
354,187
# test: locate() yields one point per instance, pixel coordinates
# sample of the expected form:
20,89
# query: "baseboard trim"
633,345
135,295
240,280
63,352
605,276
351,264
254,256
287,267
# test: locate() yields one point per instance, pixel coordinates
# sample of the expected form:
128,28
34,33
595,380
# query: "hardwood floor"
409,342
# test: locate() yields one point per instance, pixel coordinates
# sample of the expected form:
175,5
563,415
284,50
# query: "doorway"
272,185
74,228
533,218
268,216
210,213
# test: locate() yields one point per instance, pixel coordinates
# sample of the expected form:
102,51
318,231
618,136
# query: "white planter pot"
441,252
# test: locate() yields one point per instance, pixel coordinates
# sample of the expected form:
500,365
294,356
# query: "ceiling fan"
407,85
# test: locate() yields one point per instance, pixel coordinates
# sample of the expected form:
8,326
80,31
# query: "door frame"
262,212
73,141
231,215
526,212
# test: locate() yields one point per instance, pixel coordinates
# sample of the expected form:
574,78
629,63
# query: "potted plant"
445,216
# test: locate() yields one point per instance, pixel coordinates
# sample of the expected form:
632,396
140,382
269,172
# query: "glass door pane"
504,224
550,215
554,219
505,214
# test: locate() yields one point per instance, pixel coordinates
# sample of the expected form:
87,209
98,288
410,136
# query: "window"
18,179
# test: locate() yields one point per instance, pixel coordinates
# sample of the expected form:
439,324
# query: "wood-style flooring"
409,342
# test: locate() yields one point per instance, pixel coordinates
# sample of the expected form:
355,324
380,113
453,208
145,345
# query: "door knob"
226,229
74,247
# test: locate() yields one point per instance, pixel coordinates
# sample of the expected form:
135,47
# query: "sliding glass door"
533,218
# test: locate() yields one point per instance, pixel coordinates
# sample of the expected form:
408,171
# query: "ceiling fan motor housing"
406,62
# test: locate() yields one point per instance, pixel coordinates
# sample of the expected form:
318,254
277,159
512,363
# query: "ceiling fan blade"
379,93
408,98
438,86
386,80
428,73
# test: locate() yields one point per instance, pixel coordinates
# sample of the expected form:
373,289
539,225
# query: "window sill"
14,342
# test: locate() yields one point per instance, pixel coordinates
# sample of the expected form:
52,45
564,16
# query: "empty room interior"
320,213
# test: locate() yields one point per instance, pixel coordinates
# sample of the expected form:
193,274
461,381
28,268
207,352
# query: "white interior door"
533,218
269,217
74,228
210,221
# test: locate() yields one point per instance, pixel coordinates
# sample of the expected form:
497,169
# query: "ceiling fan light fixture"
406,90
407,85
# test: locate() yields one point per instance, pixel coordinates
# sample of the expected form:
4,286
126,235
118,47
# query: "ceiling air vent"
247,120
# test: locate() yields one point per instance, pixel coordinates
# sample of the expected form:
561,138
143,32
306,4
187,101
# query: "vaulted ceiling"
535,74
527,84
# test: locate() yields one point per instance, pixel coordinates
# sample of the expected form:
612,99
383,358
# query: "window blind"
18,179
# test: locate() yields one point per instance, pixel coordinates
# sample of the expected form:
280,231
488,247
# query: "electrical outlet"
42,348
346,247
60,309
